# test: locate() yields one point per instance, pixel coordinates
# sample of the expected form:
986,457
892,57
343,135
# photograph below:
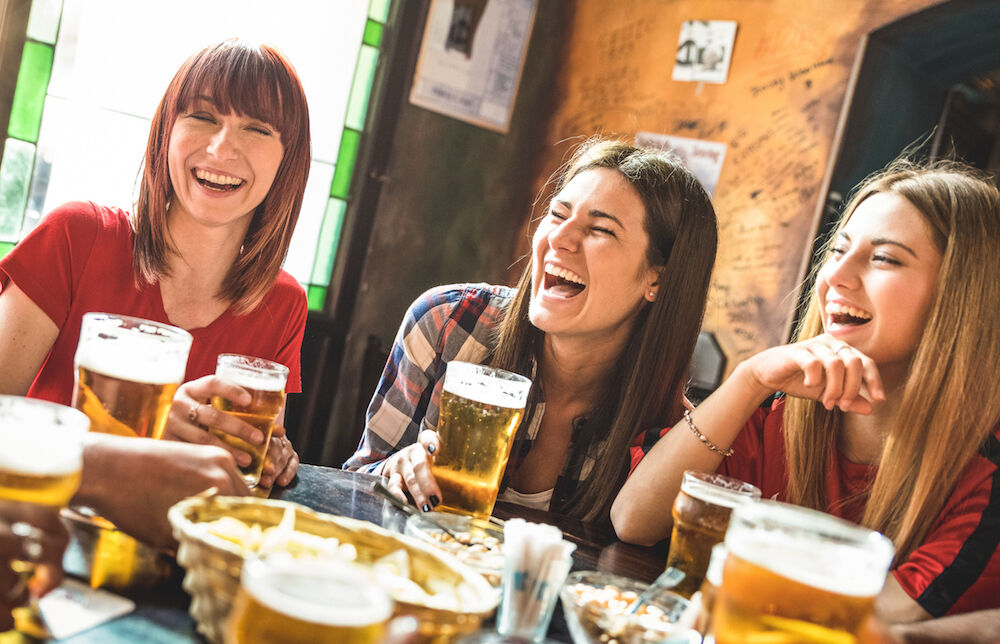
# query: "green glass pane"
43,21
379,10
29,95
344,170
15,177
329,237
6,247
361,87
317,297
373,33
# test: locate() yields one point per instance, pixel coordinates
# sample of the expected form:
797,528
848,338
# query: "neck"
205,254
575,368
863,436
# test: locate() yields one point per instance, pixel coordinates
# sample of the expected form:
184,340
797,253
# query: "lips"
217,181
843,314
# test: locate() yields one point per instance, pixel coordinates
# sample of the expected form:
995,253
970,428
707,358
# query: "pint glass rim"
255,364
771,514
511,385
168,333
68,419
718,488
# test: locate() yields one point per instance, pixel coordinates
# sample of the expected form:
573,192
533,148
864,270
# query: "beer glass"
479,412
797,575
306,601
701,515
127,370
265,382
40,462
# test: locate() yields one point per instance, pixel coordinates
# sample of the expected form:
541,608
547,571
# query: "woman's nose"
222,143
566,235
842,271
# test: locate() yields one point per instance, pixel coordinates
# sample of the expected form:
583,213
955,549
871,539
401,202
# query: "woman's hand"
30,533
282,462
409,472
191,414
822,369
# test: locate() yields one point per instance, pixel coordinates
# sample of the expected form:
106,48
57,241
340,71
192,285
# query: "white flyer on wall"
704,50
471,59
703,158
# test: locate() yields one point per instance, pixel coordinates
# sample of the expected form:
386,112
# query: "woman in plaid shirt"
604,320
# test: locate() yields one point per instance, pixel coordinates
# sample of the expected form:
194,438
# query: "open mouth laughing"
562,282
219,182
843,315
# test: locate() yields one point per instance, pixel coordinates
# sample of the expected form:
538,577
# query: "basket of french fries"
216,534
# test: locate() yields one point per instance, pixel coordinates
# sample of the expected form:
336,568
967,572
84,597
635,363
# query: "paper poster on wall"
704,50
471,59
702,158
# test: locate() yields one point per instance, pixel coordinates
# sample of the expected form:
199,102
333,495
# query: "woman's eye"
885,259
838,251
260,129
603,231
556,215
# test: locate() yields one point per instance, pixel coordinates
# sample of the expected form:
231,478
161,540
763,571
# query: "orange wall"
777,113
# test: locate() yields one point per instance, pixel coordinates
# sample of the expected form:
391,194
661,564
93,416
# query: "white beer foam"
299,590
38,452
134,359
727,498
836,568
251,379
461,380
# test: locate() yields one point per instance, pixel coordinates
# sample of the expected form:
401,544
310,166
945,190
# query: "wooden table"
161,613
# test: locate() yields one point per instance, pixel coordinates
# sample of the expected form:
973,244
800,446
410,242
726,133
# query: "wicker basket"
213,565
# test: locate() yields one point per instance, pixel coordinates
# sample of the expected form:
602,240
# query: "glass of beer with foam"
479,412
701,515
797,575
307,601
127,370
265,382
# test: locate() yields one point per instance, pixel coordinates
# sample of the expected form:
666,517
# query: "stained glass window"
93,71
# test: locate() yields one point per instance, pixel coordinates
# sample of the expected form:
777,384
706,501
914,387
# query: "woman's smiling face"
590,275
877,286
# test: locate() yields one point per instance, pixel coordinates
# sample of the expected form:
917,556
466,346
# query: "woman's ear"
652,285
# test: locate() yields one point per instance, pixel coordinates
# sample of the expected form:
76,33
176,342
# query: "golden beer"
265,382
797,576
701,515
479,413
307,602
127,370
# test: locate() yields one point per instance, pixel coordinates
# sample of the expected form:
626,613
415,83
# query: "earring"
652,294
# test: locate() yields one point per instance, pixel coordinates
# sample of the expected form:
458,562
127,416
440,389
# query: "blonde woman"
891,414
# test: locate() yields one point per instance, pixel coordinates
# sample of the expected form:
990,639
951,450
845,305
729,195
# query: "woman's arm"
811,369
26,337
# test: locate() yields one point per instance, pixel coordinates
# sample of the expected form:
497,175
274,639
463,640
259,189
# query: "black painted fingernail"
426,508
434,500
431,449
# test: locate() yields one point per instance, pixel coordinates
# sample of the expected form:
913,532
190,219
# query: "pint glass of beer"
701,516
306,601
265,382
797,575
127,370
42,454
479,412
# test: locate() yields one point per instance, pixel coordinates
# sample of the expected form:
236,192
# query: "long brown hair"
257,81
645,387
948,406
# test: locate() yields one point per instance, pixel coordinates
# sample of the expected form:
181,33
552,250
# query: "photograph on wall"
471,59
704,50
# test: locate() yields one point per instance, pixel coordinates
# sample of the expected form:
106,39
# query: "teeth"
565,274
833,307
220,179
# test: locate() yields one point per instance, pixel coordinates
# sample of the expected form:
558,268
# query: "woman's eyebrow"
882,241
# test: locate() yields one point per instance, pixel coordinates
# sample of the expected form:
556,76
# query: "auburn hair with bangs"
256,81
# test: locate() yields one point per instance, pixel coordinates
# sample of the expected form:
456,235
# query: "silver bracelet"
705,439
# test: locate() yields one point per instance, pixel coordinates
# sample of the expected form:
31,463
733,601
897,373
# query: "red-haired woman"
225,170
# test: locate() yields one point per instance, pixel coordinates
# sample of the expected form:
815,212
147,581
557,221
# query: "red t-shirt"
955,570
79,259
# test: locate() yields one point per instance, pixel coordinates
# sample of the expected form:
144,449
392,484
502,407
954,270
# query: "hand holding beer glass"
797,575
304,601
265,382
127,370
40,464
479,412
701,515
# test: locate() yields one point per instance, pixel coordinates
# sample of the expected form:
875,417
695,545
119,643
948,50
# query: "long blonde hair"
949,404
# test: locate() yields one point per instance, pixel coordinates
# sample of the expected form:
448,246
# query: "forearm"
973,628
640,513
